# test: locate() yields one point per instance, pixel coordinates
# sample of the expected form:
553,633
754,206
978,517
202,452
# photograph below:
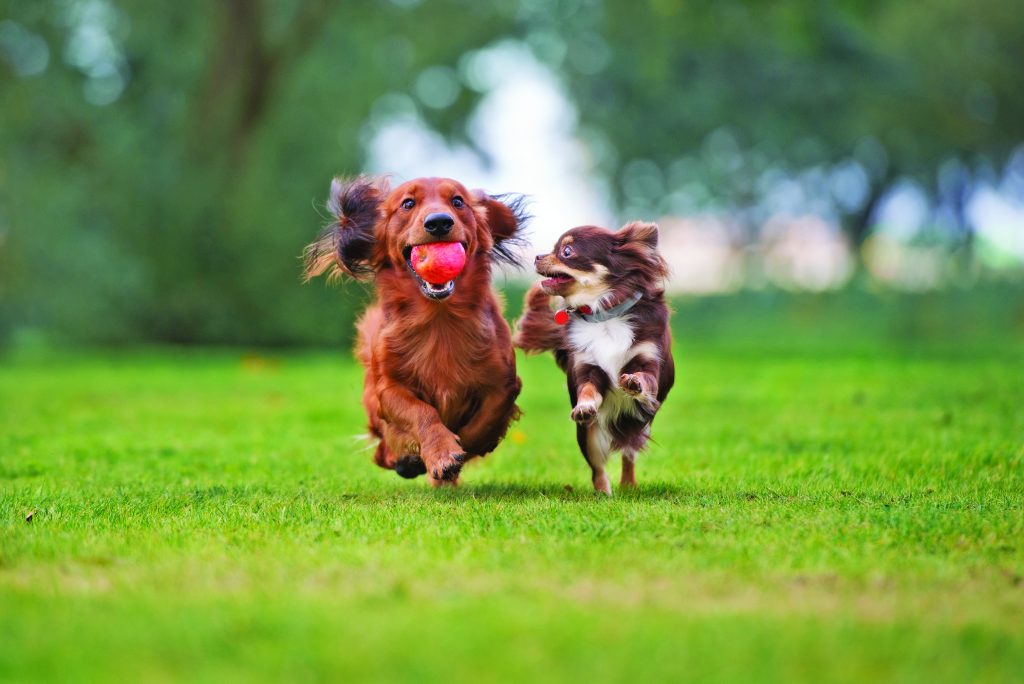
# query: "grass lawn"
837,494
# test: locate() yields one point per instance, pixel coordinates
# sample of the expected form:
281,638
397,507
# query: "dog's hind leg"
628,468
596,445
632,442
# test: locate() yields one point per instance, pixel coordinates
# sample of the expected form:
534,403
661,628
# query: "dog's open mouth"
554,281
437,291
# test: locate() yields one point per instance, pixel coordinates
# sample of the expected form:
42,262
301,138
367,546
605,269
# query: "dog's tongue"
438,262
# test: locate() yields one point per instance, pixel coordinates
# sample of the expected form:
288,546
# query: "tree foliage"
178,212
718,94
161,161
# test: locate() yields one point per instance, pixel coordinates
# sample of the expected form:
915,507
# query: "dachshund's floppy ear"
506,218
346,245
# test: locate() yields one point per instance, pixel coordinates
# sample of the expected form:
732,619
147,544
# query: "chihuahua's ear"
506,218
638,241
640,234
346,244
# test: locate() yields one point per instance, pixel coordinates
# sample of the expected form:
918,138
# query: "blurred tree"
158,161
158,171
708,99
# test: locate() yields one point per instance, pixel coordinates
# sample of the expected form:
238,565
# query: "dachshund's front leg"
489,424
440,449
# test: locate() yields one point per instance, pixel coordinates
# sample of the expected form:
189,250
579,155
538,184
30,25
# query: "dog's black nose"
539,257
439,223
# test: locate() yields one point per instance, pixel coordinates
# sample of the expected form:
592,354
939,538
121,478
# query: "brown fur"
440,378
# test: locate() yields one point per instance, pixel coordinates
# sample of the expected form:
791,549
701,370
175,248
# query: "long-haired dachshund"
440,383
610,335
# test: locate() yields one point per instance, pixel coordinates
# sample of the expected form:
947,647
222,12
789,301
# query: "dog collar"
601,315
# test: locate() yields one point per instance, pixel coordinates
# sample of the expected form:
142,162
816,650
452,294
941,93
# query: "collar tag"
587,313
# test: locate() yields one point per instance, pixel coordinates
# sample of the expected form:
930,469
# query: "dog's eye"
567,251
457,202
409,204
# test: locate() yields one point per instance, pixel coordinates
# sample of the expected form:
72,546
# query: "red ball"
438,262
561,317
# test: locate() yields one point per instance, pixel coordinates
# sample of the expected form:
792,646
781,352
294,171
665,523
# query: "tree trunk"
238,88
859,225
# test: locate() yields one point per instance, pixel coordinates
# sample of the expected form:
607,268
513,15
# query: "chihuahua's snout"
438,223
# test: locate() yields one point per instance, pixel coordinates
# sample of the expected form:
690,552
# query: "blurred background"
162,165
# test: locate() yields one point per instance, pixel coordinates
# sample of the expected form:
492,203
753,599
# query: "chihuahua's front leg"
591,384
639,379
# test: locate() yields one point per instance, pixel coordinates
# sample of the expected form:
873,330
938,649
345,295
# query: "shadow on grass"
649,491
688,495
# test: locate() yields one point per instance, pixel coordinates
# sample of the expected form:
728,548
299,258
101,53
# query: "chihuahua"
601,310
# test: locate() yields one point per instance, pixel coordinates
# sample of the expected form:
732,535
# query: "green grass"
837,494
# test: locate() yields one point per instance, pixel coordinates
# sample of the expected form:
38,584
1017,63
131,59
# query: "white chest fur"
605,344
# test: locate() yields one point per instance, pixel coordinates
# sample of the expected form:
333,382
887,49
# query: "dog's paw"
443,455
447,467
639,386
410,466
632,384
584,413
